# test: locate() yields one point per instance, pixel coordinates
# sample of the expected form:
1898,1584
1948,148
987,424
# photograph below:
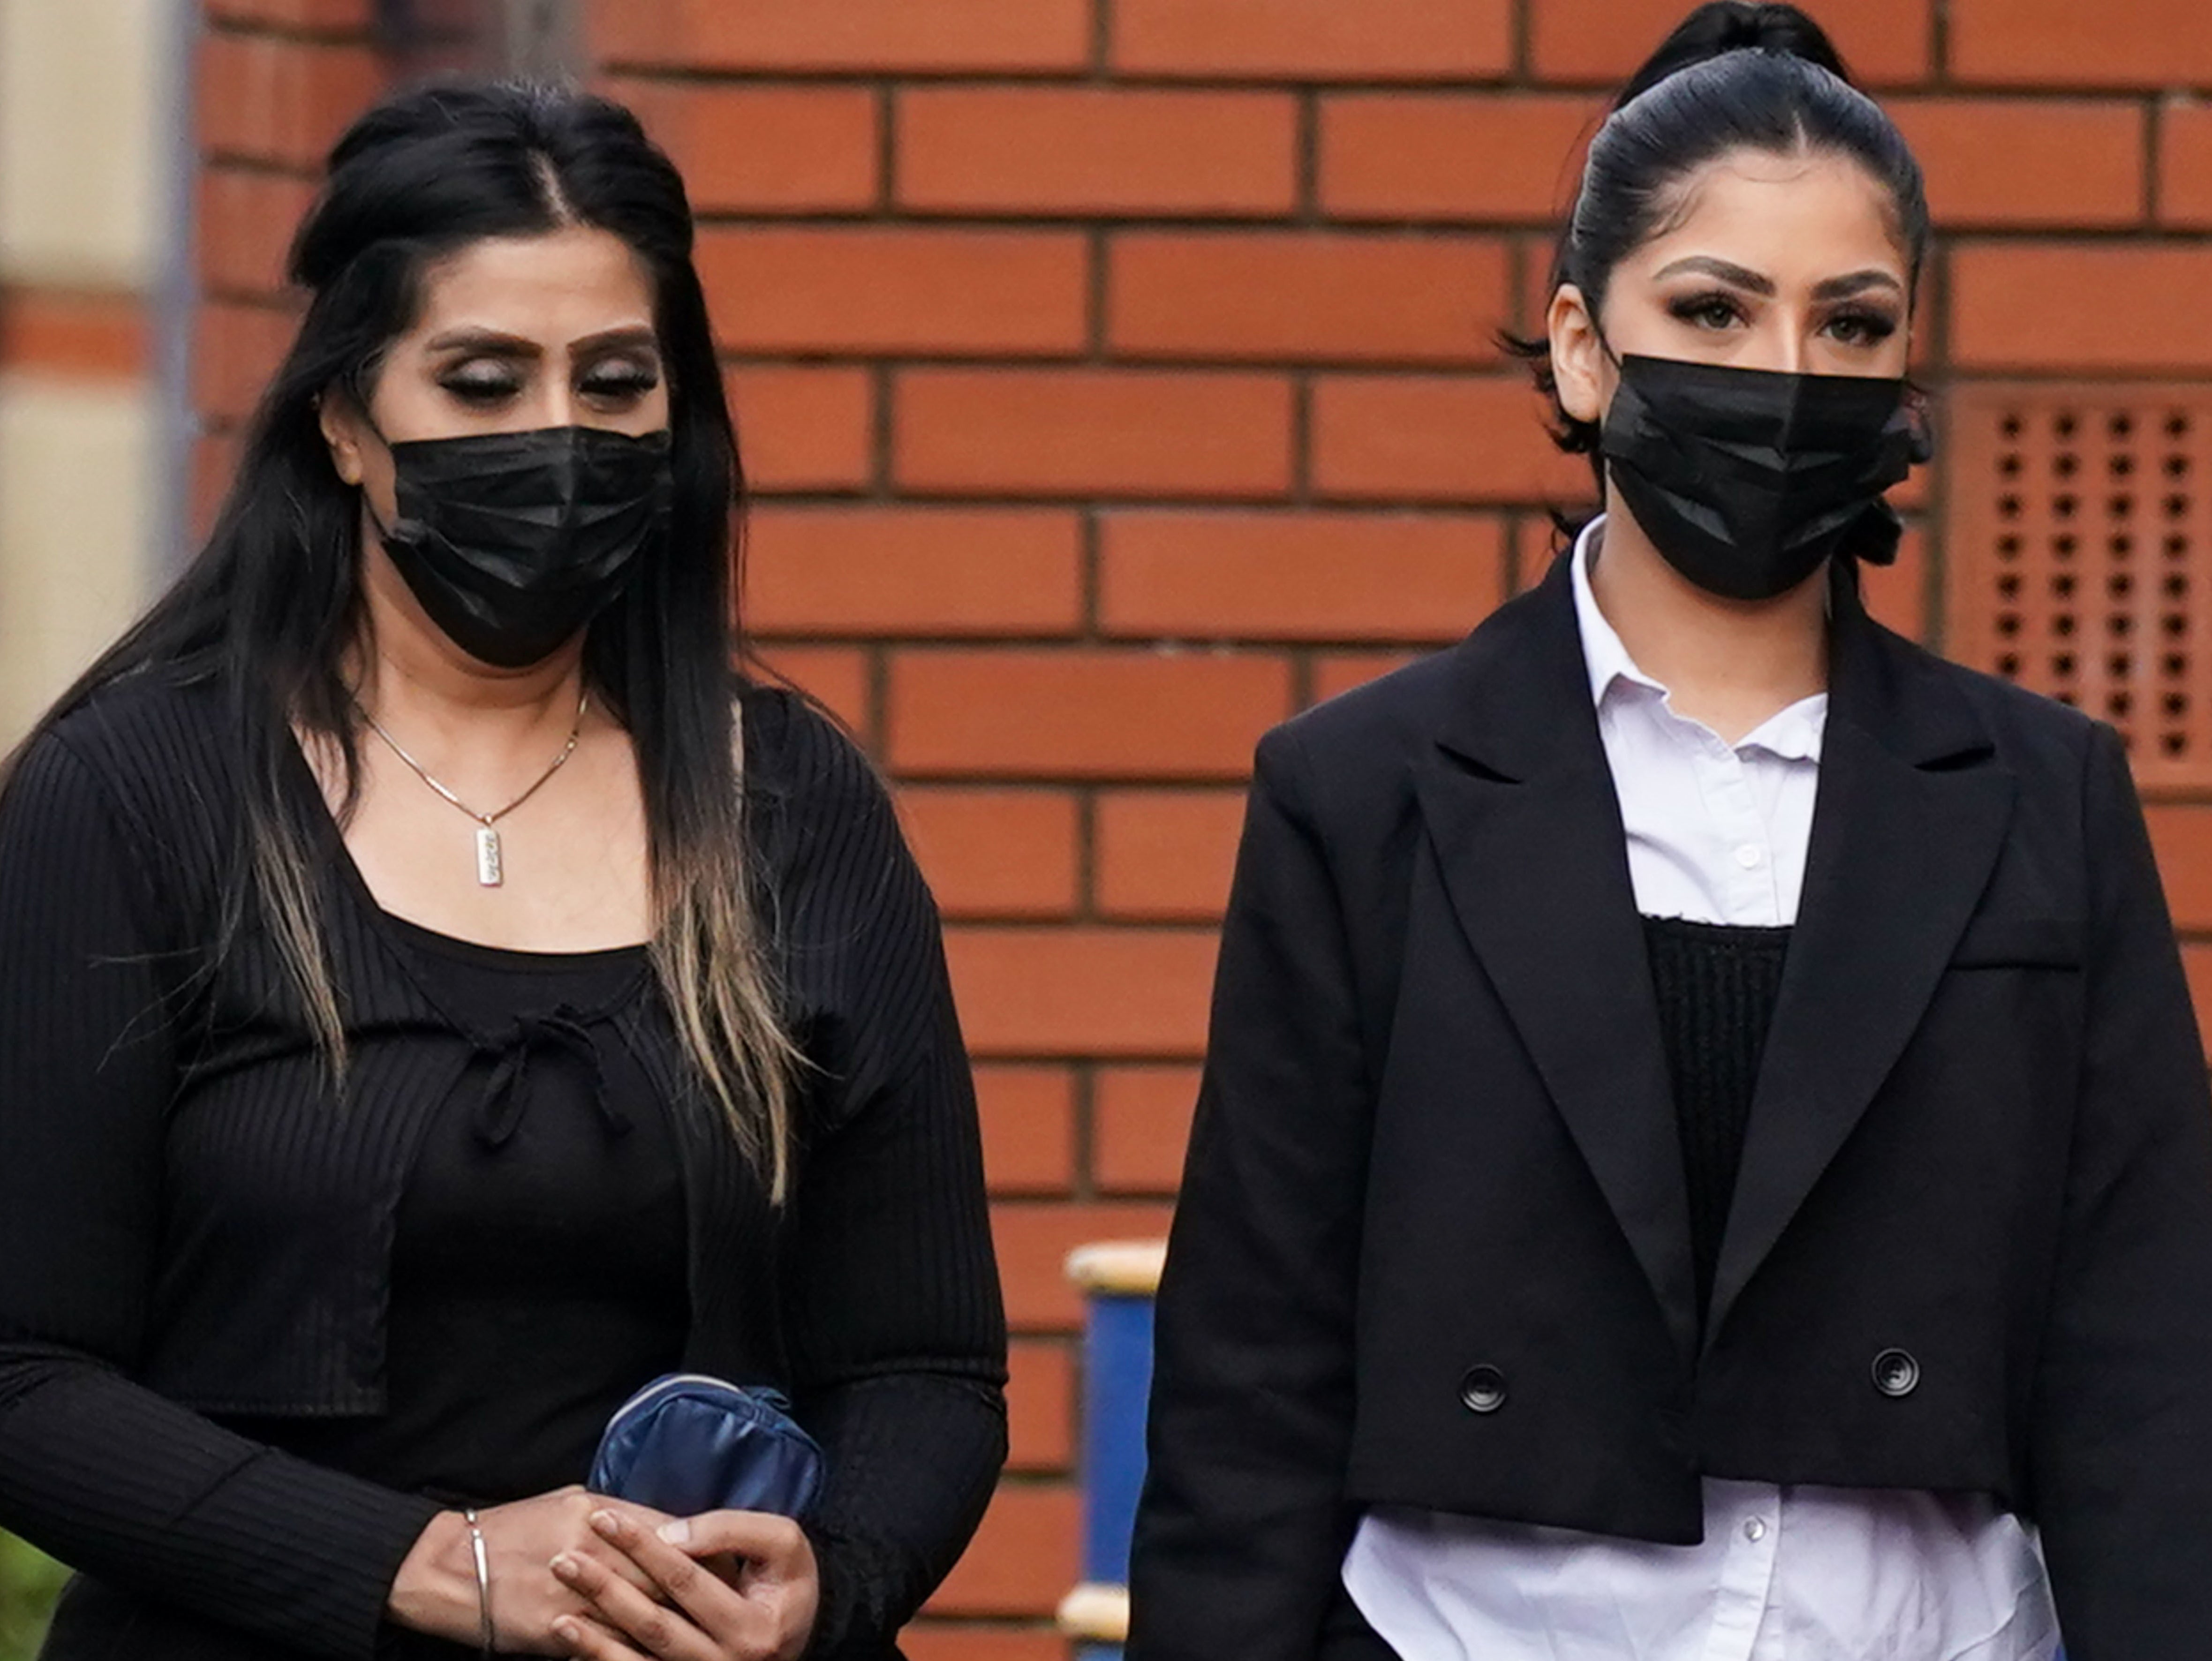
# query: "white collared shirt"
1716,833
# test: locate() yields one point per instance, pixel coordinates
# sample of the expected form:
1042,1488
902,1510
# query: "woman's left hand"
739,1586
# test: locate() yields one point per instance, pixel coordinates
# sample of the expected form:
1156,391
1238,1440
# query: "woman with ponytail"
1703,1153
438,995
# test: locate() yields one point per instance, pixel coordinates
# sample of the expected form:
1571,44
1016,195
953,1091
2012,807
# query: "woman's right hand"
436,1589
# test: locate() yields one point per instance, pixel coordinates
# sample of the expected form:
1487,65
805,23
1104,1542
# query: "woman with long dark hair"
438,995
1703,1154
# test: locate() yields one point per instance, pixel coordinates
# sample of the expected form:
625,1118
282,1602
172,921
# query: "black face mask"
514,541
1745,480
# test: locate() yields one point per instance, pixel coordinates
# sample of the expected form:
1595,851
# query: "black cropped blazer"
1433,1246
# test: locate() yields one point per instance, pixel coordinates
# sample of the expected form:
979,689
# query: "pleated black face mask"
1745,480
514,541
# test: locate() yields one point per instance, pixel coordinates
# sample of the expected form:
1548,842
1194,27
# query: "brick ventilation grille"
2080,519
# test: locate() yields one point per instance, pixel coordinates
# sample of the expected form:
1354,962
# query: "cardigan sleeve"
2123,1423
893,1317
1243,1527
123,1484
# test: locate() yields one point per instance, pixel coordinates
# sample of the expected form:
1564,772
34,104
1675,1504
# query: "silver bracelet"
487,1638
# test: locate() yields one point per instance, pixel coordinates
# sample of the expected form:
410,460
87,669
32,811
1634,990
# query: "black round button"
1896,1374
1483,1390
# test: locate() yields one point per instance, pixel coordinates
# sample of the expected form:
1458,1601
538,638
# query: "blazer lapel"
1911,814
1526,830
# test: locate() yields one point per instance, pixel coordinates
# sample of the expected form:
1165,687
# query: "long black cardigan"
191,1225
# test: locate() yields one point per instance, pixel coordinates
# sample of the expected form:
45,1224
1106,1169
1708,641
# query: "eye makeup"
483,379
1714,310
1707,308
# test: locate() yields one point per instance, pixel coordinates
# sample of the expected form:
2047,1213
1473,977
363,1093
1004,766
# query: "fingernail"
565,1566
607,1523
678,1533
566,1630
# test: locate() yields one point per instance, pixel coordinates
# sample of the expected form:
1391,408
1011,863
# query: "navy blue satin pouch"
687,1443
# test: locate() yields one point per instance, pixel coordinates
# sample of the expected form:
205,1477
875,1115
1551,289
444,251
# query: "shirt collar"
1794,734
1604,656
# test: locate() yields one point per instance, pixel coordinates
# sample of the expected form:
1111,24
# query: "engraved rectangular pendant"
489,872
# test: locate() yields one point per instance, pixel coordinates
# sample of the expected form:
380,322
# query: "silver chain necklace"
490,868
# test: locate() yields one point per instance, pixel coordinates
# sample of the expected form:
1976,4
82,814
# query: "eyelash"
608,385
1871,328
1714,310
1874,327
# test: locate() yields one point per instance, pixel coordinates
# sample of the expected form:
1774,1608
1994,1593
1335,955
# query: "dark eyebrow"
1842,287
1734,276
490,343
630,337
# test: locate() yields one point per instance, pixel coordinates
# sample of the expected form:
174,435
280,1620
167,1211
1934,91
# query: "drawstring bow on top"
505,1099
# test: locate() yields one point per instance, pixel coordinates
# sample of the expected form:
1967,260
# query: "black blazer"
1433,1248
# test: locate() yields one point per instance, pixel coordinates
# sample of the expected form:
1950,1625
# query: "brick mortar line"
308,172
1058,362
877,673
1347,506
1305,158
1184,782
277,303
883,481
291,34
1119,781
1580,88
1030,1478
1098,295
1090,575
1061,221
2153,157
1088,862
1130,648
1017,223
1376,226
1284,369
1945,83
1440,507
1162,368
887,136
260,166
1520,281
1170,647
1084,1111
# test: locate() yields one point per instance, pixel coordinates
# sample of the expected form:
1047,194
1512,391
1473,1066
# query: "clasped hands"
574,1574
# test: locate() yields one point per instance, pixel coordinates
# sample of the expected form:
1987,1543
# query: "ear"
340,425
1577,354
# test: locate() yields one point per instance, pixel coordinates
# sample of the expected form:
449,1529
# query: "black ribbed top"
1716,986
538,1256
193,1232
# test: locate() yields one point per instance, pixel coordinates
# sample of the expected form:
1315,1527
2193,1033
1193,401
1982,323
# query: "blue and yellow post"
1119,1280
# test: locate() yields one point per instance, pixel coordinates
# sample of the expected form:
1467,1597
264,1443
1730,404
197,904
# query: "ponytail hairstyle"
1731,76
273,602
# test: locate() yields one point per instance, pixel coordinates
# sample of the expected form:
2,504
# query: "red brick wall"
1117,376
278,82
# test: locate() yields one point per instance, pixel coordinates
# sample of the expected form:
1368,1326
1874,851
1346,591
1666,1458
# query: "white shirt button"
1754,1530
1749,857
